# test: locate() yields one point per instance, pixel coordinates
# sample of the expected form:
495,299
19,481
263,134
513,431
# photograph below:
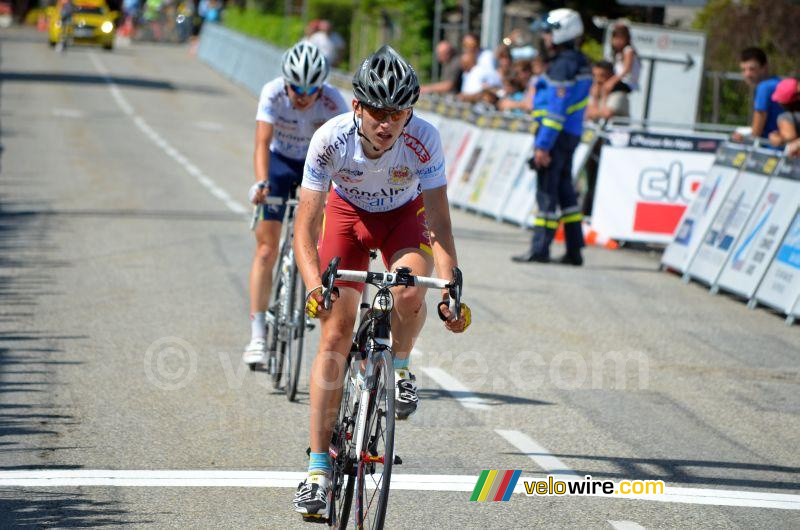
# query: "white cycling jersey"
413,164
292,129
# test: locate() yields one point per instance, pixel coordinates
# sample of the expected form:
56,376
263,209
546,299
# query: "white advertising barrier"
732,216
520,204
701,211
780,287
484,153
494,184
765,230
466,154
646,180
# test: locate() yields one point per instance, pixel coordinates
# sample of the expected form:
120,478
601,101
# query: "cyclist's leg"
408,245
327,371
282,173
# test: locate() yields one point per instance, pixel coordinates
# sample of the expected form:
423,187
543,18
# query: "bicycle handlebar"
401,277
274,201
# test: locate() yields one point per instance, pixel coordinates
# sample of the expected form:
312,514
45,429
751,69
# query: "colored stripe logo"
495,485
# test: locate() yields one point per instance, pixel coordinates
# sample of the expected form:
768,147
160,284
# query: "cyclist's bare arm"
437,213
308,220
264,133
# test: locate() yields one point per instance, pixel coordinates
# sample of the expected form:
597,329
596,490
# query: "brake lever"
454,292
328,279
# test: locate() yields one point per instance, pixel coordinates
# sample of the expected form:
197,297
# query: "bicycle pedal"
397,460
315,519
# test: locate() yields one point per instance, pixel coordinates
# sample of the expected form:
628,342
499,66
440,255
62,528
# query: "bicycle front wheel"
296,335
376,456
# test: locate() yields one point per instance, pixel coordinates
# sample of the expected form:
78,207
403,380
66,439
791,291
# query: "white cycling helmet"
564,24
305,66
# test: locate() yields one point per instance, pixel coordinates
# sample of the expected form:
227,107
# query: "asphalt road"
124,256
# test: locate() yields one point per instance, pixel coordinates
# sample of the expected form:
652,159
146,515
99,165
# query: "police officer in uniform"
565,96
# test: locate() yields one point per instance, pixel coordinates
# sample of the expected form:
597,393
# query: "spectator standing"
450,77
787,96
755,70
329,43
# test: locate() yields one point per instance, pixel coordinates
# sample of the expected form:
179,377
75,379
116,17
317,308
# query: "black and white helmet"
305,66
386,81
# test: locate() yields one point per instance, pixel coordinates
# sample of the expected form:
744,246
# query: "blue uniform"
562,100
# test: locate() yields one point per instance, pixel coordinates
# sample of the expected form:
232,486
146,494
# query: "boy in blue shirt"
754,67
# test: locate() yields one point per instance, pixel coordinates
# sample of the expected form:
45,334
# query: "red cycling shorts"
350,233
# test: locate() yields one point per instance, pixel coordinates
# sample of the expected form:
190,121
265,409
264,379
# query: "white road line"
626,525
456,388
165,146
549,463
289,479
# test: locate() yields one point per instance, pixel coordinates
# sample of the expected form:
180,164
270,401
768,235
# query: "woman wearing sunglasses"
290,109
389,192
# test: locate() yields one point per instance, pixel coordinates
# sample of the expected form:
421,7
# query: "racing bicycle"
287,322
362,443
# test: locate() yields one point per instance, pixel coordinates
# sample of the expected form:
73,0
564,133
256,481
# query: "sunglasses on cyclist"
300,91
383,114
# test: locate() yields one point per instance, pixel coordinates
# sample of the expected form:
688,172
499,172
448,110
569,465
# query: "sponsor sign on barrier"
646,180
732,216
765,230
520,204
780,287
489,197
701,211
461,150
484,154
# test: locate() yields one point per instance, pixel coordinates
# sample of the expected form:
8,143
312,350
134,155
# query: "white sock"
258,325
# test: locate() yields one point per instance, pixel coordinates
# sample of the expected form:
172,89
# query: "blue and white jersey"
413,164
293,129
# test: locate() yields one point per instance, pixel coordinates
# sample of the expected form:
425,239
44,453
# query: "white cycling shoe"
255,352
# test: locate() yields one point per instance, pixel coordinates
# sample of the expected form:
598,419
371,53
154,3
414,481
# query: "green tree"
732,25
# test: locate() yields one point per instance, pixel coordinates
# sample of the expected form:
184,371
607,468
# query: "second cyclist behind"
291,108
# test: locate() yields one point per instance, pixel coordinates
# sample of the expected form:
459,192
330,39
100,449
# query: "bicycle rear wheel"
297,329
376,456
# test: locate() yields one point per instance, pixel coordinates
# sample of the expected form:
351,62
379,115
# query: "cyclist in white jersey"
386,169
290,110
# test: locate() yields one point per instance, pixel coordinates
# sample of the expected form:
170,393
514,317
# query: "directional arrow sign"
688,62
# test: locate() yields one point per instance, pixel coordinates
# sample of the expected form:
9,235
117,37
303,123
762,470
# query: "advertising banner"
701,211
495,180
733,215
462,139
520,204
780,287
483,153
765,230
646,180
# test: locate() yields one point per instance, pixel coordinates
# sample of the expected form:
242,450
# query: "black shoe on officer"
571,259
530,257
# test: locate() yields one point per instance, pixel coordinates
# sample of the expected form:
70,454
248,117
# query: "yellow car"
92,22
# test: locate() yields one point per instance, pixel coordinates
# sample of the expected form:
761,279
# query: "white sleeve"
319,166
430,170
266,102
